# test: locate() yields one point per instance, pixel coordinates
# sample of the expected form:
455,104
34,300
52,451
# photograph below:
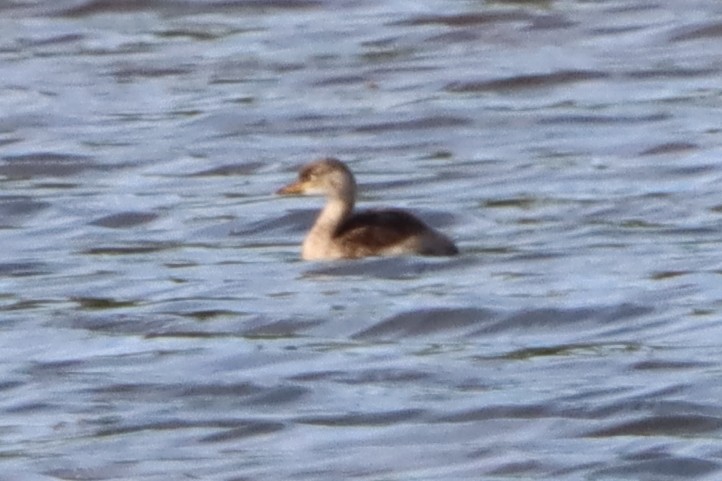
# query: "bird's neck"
319,241
336,210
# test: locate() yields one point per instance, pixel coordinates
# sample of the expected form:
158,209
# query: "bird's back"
379,232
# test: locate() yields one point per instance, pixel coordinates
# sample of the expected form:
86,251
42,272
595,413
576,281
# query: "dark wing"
378,229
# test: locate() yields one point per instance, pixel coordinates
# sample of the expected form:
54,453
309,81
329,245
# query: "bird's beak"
292,189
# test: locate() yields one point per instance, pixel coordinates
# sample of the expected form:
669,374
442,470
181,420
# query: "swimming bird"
341,233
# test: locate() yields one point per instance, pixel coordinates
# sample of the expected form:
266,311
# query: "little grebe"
340,233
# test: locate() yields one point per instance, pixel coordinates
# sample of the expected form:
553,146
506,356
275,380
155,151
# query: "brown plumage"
340,233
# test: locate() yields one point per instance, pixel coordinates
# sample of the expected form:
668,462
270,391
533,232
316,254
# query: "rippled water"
157,322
